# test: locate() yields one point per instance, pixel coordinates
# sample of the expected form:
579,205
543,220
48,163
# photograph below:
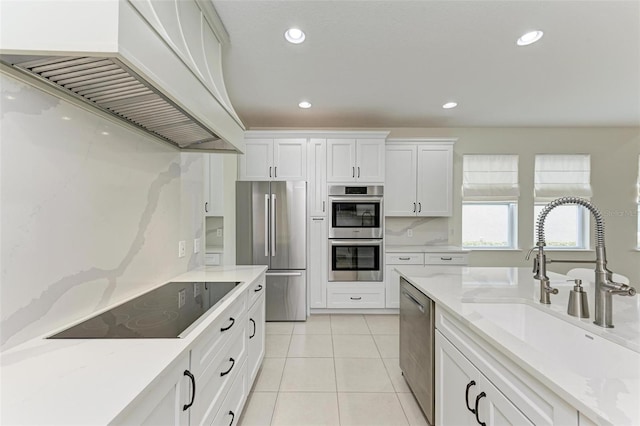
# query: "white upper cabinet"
317,173
355,160
420,182
274,159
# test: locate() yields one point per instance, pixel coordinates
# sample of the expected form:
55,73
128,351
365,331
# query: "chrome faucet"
605,287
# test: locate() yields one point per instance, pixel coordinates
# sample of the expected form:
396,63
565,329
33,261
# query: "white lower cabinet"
476,384
355,295
209,384
164,404
464,396
318,263
256,334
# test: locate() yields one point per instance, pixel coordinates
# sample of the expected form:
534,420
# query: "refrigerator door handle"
273,224
283,274
266,225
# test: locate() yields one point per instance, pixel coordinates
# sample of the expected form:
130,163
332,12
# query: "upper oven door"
355,260
356,217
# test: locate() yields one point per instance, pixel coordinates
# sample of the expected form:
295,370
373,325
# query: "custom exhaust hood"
155,64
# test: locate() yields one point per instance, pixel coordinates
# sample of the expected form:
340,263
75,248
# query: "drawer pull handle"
482,395
233,416
254,328
466,396
233,362
356,298
446,258
187,373
233,321
404,258
257,289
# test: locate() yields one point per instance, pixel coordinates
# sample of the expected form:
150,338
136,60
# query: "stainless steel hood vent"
113,87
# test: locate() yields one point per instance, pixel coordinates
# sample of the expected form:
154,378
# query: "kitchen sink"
571,347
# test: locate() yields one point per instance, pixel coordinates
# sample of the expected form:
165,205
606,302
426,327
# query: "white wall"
88,219
614,169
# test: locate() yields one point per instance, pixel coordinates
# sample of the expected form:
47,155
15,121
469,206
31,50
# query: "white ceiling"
371,63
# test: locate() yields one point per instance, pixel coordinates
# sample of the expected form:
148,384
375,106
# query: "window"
490,200
566,227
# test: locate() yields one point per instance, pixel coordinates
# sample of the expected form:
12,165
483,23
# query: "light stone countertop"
608,400
90,381
392,248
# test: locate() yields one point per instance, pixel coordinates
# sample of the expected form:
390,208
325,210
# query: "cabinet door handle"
419,207
318,218
233,321
356,298
257,289
414,207
482,395
187,373
206,207
446,258
358,172
466,396
275,171
323,207
269,171
233,416
233,362
254,328
353,172
404,258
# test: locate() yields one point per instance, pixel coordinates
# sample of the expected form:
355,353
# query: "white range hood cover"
155,64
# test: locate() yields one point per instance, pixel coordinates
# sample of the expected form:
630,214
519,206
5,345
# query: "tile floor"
332,370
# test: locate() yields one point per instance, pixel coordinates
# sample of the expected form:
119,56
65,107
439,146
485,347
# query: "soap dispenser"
578,302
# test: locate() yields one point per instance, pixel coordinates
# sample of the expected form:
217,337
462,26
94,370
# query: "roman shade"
562,175
490,178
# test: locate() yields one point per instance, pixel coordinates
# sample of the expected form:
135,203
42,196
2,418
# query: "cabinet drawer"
446,259
214,383
217,335
230,410
256,289
404,258
355,296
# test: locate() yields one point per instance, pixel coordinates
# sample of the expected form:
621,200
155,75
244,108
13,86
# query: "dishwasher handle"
413,299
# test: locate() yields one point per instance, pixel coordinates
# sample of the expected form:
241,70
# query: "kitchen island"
137,381
490,319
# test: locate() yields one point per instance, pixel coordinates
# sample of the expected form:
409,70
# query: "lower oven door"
355,260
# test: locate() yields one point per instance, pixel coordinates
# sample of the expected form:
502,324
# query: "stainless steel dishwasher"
417,333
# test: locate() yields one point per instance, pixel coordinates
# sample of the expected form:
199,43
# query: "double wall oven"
355,233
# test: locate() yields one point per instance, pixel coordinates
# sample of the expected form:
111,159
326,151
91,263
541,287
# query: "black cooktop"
164,312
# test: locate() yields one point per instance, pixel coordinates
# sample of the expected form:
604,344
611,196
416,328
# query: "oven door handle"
352,199
362,242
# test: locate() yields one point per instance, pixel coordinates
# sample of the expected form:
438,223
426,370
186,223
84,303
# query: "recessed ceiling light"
529,38
66,118
294,35
304,104
104,133
450,105
10,97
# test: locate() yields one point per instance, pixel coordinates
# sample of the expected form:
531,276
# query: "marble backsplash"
426,231
91,212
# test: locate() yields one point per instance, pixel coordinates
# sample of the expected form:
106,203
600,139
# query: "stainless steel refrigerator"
271,230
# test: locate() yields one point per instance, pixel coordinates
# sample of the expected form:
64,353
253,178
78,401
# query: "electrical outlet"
219,232
182,248
409,232
196,290
182,298
196,245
